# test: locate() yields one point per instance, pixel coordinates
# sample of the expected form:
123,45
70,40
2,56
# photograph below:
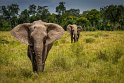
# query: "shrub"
3,41
77,49
98,34
60,62
56,43
118,52
89,40
78,54
102,55
90,28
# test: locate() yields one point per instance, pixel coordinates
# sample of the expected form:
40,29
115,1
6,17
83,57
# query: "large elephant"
74,32
39,36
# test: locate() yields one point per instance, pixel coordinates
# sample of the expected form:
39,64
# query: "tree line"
108,18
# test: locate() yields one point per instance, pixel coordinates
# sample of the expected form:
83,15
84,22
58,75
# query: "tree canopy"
110,17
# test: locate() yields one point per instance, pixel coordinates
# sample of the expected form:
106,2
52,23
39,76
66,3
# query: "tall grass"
98,57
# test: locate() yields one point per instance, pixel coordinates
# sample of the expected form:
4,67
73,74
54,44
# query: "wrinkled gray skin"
39,36
74,32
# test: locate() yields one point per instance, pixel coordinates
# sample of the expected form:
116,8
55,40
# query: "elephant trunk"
41,53
75,37
39,57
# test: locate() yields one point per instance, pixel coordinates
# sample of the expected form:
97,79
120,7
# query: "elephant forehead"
74,27
39,22
39,27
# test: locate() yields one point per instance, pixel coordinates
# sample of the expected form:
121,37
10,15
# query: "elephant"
39,36
74,32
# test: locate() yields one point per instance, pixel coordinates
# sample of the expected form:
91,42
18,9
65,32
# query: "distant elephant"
74,32
39,36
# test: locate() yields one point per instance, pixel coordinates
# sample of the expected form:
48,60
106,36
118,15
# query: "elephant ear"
21,31
79,28
54,32
69,27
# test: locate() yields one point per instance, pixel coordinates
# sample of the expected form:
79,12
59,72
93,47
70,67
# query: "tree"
52,18
43,13
10,13
83,21
4,12
24,16
93,16
113,13
61,8
73,12
108,18
32,9
13,9
121,17
32,12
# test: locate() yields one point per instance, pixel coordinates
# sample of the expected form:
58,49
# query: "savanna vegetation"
98,57
108,18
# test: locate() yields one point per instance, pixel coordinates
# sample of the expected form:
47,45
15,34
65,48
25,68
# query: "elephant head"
39,36
74,32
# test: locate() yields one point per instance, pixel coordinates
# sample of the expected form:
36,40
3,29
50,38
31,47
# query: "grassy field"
98,57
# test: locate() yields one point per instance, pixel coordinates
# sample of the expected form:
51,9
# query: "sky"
83,5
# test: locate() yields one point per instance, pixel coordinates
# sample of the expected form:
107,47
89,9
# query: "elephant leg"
74,38
29,52
31,56
71,38
34,63
78,35
46,51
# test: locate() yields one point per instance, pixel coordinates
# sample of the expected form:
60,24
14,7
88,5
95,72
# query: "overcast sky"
77,4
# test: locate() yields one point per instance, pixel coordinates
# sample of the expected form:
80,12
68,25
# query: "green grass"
98,57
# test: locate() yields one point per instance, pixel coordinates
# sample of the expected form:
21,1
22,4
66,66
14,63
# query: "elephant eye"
34,27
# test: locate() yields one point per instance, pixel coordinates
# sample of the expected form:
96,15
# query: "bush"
118,53
77,49
89,40
102,55
59,63
6,26
89,28
78,55
3,41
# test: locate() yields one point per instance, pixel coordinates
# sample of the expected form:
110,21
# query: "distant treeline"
107,18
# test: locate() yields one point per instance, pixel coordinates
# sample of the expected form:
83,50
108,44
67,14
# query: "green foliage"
93,16
59,62
109,18
111,54
118,53
32,9
73,12
90,40
113,13
82,21
5,26
61,8
102,54
76,49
